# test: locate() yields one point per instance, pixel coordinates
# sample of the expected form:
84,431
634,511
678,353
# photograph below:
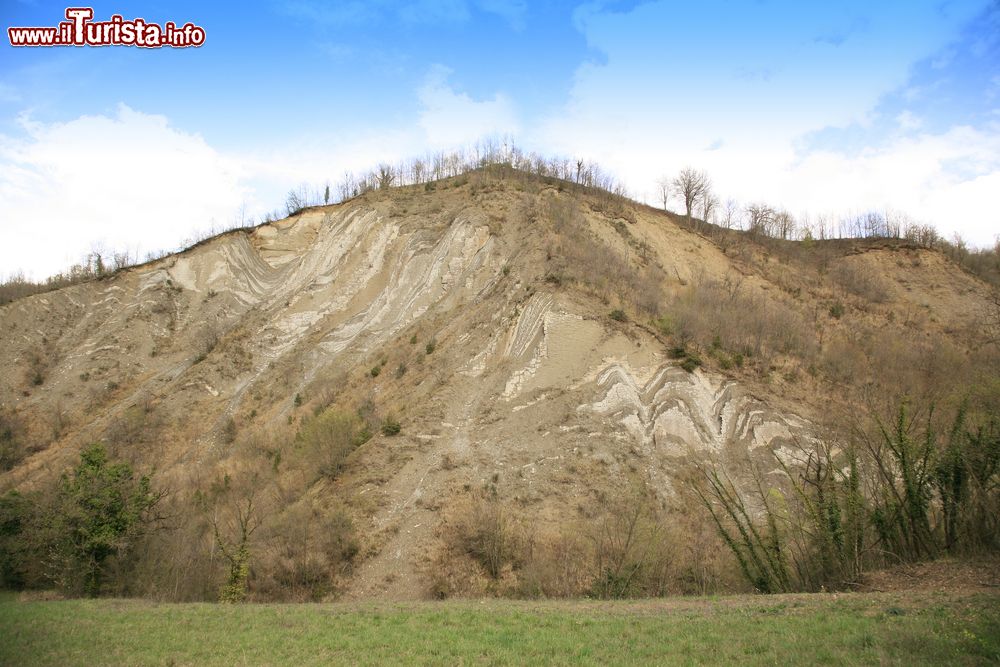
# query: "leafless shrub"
205,342
58,419
740,320
229,430
328,438
884,364
181,563
843,360
135,424
306,551
37,366
860,280
700,565
630,555
490,535
597,266
989,321
623,552
557,566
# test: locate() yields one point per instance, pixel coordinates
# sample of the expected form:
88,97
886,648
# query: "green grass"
906,629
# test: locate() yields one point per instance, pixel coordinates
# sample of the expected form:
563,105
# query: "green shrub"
430,347
375,371
391,426
16,555
618,315
690,363
910,490
101,511
689,360
37,366
12,446
837,310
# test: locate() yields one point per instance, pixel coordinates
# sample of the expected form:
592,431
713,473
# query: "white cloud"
908,121
446,119
451,118
125,180
131,180
649,107
949,179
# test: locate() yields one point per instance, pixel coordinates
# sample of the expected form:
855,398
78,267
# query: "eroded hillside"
544,346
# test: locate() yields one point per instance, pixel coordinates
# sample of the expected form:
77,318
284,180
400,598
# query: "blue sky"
824,108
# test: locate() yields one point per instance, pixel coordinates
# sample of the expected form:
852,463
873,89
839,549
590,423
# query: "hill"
462,387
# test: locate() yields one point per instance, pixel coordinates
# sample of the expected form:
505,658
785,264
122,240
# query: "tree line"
691,187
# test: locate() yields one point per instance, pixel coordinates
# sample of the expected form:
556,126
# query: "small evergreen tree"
102,508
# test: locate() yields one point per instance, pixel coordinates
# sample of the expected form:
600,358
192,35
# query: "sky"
825,109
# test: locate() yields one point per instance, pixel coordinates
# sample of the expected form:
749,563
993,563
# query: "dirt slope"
530,386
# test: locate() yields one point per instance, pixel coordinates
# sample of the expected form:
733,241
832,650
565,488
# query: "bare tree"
244,518
121,259
709,202
385,176
784,224
729,213
923,235
760,219
296,201
419,170
824,227
691,185
666,187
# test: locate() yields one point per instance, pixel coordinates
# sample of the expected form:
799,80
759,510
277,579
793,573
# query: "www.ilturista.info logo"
80,30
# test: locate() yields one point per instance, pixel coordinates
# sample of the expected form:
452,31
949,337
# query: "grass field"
884,628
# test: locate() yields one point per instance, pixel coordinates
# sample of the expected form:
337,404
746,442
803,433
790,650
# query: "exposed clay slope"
531,387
